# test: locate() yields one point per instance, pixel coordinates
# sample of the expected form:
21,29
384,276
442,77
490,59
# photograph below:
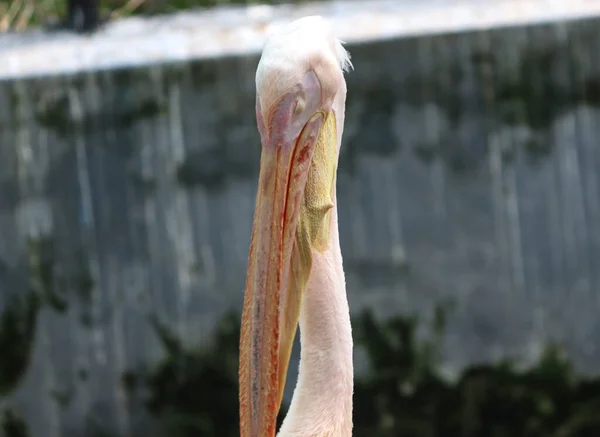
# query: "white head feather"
295,49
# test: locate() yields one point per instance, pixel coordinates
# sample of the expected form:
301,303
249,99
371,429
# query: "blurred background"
21,14
469,205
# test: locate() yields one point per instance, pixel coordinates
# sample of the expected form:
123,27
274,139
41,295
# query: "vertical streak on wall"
49,321
355,214
510,197
148,149
432,120
394,214
584,67
116,291
24,147
179,225
553,205
444,64
571,173
98,347
497,184
196,131
81,336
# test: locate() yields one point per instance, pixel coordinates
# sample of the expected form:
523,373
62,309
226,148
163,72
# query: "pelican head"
300,96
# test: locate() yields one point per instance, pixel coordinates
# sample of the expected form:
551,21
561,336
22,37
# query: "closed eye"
299,106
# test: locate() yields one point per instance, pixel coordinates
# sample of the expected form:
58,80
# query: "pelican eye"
299,106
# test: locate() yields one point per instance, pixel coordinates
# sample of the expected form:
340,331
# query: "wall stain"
212,168
204,74
375,128
55,115
46,288
12,425
41,254
17,336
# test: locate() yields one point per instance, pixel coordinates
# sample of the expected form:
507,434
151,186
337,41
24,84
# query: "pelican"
295,271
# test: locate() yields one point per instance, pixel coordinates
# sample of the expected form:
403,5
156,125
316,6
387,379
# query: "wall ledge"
231,31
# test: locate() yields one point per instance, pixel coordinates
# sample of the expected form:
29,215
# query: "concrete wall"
468,174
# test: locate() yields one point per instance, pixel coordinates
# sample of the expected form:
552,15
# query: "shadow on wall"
193,392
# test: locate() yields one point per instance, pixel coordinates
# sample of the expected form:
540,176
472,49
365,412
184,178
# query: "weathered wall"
468,174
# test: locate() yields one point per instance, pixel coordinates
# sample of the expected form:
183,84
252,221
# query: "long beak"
292,218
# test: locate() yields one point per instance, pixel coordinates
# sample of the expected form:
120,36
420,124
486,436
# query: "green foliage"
47,287
17,335
44,9
405,394
193,391
11,425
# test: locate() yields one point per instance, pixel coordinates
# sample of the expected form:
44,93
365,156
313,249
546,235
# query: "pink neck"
322,401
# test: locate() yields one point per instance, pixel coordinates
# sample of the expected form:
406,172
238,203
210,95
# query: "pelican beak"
292,218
